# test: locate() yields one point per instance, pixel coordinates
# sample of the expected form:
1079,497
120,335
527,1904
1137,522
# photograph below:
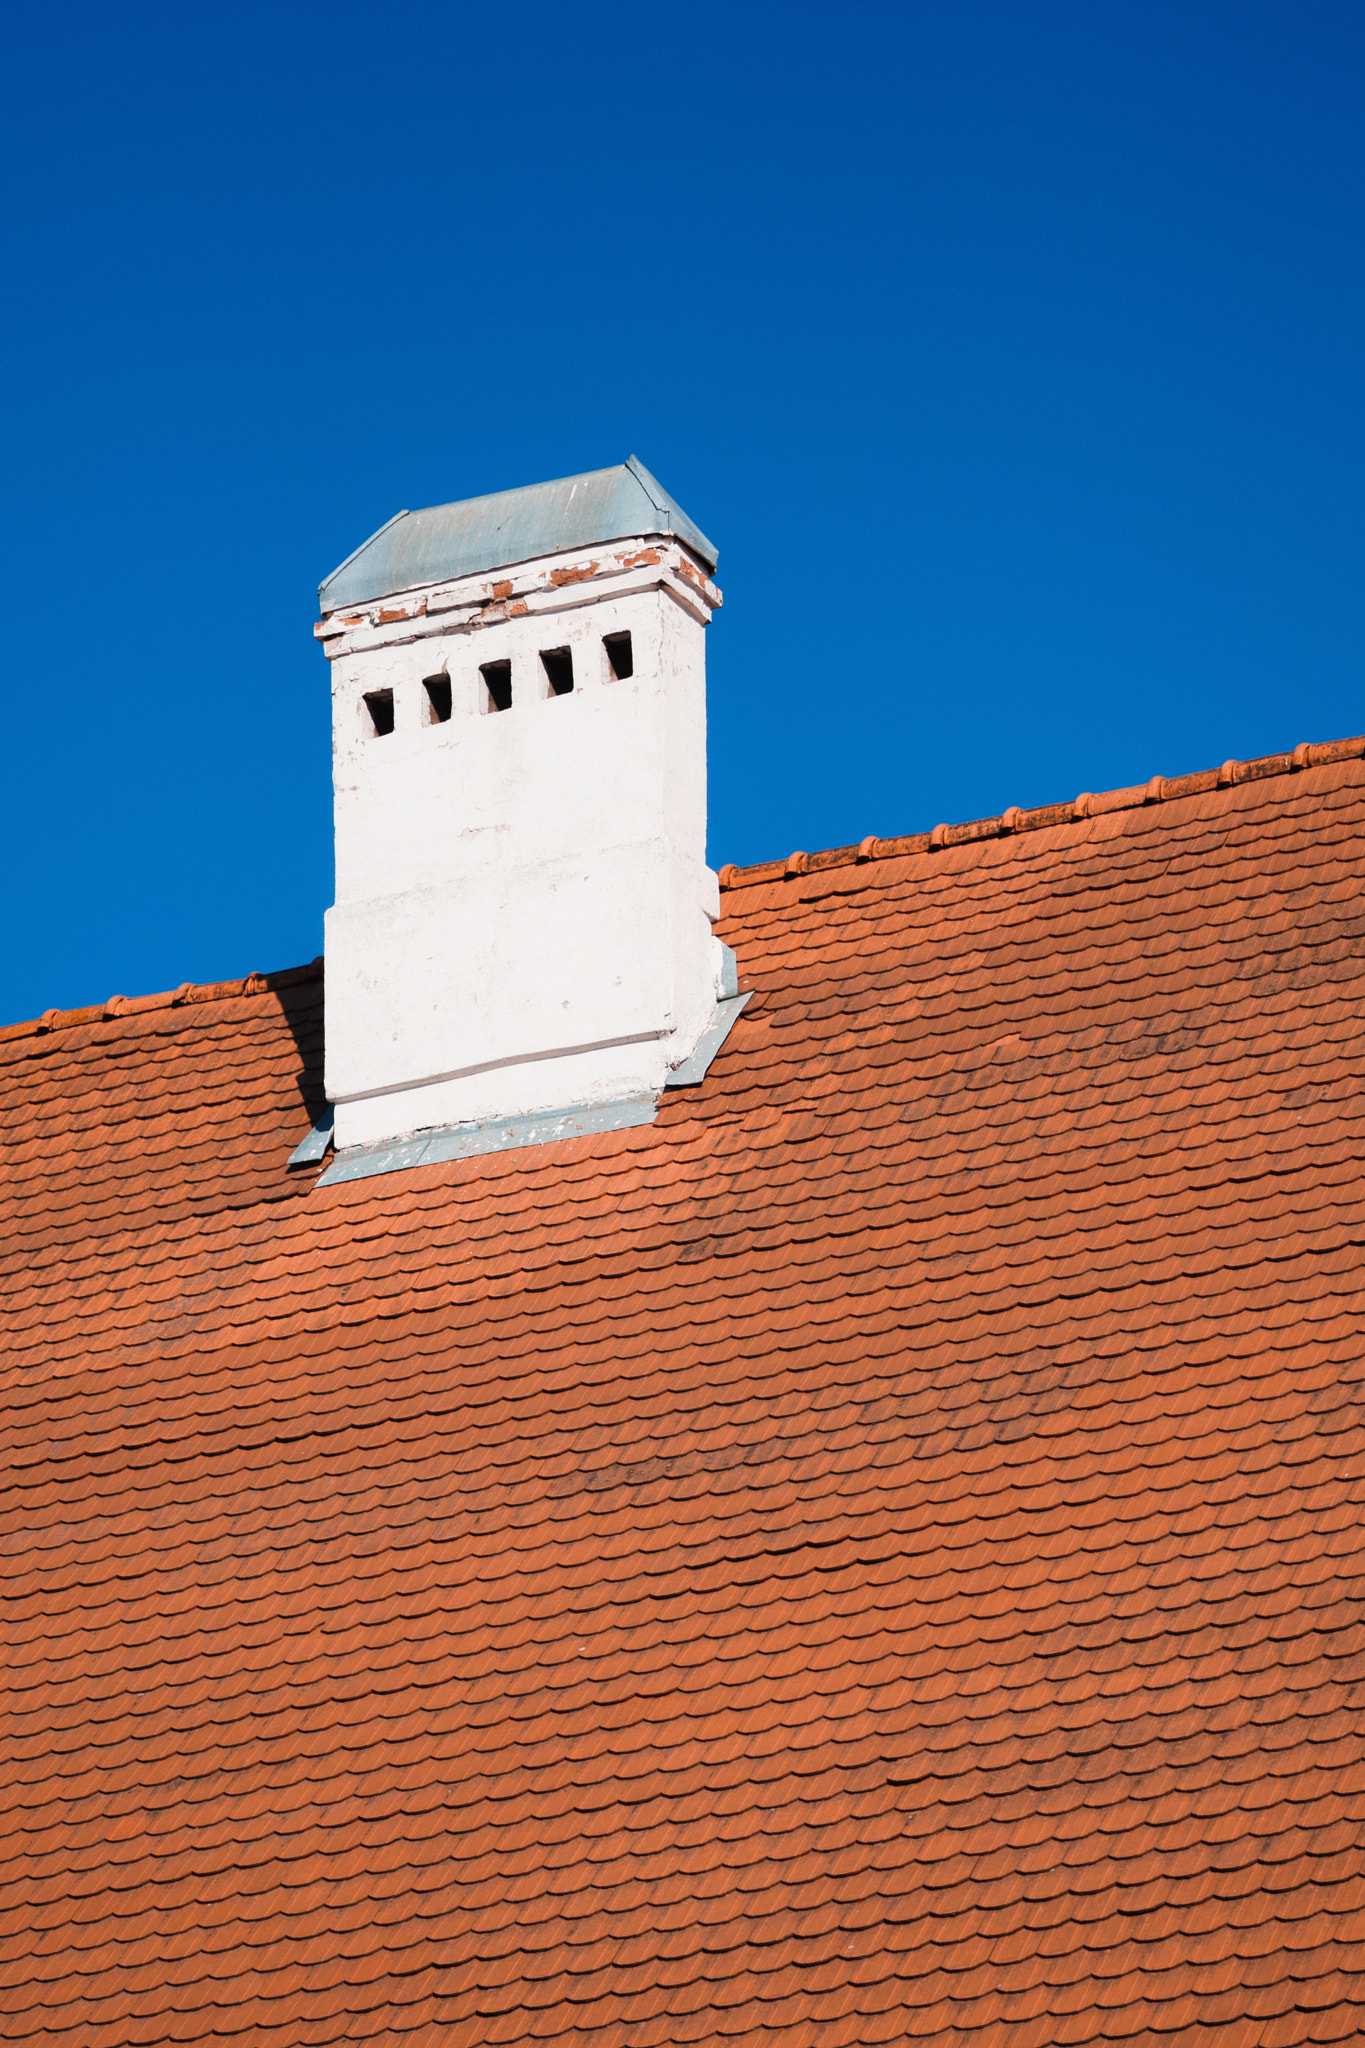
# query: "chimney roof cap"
475,534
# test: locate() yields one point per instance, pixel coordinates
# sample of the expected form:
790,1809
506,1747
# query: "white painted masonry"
523,907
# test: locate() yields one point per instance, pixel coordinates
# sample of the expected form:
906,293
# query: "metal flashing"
506,1134
356,553
474,535
653,490
712,1039
314,1146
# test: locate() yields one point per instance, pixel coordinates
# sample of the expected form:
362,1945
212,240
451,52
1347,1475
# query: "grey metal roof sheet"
478,534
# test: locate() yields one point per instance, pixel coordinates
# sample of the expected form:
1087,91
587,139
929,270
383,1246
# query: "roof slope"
875,1555
505,527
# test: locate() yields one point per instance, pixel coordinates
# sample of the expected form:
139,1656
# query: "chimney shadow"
298,990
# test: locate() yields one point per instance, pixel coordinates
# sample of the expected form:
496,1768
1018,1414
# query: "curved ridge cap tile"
116,1007
1014,820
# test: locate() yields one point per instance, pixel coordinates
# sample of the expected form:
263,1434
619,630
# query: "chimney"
523,907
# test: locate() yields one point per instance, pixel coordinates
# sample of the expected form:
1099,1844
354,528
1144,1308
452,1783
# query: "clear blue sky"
1012,355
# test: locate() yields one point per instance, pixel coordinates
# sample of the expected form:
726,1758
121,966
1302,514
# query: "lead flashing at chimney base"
523,909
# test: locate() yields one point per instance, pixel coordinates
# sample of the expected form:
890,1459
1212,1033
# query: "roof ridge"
1160,789
117,1008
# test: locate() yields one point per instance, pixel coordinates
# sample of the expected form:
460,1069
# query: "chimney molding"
554,583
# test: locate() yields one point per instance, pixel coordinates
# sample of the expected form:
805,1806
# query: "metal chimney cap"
507,527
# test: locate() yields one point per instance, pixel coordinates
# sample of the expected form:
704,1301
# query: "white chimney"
523,906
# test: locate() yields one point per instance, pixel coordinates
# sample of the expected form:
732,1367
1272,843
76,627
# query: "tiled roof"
874,1555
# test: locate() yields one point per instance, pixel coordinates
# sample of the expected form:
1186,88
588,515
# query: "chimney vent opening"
497,677
438,699
379,704
558,664
620,659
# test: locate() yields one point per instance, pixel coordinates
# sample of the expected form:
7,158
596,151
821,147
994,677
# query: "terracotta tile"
1003,1448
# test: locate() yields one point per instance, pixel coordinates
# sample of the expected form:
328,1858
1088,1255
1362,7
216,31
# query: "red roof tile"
873,1555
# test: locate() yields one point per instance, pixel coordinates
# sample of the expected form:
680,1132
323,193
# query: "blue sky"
1011,354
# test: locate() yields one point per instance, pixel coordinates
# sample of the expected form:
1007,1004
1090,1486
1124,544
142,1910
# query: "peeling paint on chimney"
523,909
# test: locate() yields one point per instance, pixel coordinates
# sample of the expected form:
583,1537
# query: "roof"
464,539
873,1555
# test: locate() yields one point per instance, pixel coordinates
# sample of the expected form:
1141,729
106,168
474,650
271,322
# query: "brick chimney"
523,908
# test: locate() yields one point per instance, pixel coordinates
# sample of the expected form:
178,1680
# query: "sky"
1009,353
